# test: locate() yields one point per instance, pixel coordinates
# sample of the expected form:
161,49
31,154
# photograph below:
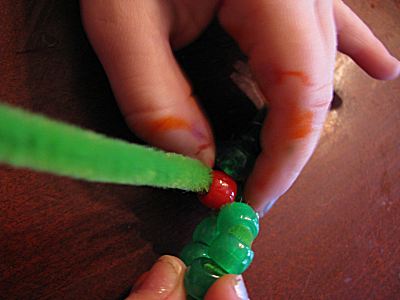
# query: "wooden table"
334,235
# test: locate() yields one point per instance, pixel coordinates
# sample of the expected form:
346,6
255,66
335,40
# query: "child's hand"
291,47
165,281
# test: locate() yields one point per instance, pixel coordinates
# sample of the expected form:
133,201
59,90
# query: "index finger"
291,48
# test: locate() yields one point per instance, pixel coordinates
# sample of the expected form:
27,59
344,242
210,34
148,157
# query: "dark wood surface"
334,235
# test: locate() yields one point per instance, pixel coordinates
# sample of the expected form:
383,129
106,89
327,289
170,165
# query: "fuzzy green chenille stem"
33,141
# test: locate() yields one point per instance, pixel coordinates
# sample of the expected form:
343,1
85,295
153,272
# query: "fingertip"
378,64
277,168
264,206
259,197
393,70
163,280
268,181
358,41
187,133
229,287
207,155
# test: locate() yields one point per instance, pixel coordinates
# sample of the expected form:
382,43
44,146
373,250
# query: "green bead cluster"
237,157
221,244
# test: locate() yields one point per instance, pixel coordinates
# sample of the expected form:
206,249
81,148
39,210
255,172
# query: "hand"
165,281
291,47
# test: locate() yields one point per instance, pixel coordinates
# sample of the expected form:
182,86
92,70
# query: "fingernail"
268,207
398,68
205,151
188,143
206,155
240,288
396,59
162,278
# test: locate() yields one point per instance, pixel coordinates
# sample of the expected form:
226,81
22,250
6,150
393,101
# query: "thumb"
229,287
163,281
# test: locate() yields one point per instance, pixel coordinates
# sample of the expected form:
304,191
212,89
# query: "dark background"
334,235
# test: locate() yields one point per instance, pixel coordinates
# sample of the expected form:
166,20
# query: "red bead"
223,190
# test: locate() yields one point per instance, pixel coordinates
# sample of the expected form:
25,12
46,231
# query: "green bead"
238,213
237,157
234,162
230,254
206,231
243,234
200,276
193,251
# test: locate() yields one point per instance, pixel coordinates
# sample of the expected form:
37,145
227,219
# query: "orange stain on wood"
170,123
299,123
282,75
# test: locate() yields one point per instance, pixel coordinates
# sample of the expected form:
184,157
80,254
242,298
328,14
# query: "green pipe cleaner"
36,142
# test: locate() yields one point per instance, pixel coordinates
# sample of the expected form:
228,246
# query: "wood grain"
334,235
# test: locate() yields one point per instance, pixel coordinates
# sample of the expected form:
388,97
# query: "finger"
131,40
163,281
291,48
229,287
357,41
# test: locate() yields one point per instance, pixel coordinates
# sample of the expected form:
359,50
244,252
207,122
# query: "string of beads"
221,243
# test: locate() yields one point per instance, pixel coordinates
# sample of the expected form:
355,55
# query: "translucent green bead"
234,161
206,231
237,157
238,213
193,251
200,276
230,254
243,234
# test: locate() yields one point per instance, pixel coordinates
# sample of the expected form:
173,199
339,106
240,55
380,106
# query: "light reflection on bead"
238,213
231,254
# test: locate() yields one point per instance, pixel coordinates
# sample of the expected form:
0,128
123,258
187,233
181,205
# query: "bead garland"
221,243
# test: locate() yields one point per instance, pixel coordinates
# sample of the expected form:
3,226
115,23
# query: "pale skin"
291,47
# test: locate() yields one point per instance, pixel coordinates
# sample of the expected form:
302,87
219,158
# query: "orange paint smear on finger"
299,123
170,123
282,75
